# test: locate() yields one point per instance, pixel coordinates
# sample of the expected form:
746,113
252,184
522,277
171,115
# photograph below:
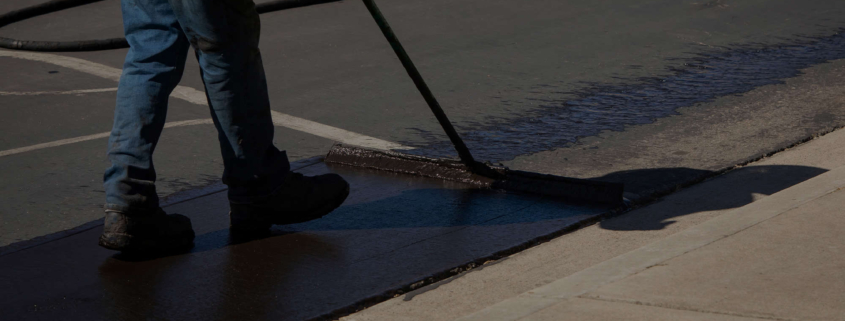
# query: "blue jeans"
224,34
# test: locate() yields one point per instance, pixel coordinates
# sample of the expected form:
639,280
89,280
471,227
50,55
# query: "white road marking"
69,92
333,133
197,97
91,68
301,124
93,137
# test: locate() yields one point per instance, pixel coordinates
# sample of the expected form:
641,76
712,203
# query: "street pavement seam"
675,245
196,97
79,139
674,307
66,92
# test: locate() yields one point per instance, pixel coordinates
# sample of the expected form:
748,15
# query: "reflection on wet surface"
560,121
393,231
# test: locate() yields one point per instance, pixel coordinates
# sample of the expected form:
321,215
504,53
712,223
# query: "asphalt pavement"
490,63
658,95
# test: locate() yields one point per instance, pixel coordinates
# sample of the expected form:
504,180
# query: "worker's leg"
225,34
153,67
262,191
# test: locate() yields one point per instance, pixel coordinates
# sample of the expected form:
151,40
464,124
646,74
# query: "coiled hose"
100,44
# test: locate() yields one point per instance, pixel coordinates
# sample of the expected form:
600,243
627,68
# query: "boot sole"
130,244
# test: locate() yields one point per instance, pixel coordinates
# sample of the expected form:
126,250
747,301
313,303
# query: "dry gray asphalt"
490,63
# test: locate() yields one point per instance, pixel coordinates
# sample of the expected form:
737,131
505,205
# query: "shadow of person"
239,281
736,189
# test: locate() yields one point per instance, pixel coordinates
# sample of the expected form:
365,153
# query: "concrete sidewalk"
778,258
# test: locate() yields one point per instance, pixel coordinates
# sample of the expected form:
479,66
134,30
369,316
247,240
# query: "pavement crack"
433,286
675,307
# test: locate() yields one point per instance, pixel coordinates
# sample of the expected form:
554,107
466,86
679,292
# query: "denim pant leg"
152,69
224,34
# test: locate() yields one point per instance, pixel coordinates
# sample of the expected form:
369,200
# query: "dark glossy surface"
393,230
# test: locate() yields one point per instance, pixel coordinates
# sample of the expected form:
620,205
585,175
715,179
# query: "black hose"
100,44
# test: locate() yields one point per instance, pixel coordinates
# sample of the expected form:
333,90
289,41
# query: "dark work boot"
152,233
299,199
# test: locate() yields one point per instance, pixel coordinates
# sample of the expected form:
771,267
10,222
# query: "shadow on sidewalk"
735,189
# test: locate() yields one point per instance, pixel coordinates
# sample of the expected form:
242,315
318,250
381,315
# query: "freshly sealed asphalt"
394,230
654,94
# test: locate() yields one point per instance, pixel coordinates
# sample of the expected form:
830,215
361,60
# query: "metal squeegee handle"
462,149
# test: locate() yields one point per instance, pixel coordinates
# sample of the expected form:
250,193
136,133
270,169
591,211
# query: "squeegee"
467,170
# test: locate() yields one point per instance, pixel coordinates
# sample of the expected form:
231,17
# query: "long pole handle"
462,149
